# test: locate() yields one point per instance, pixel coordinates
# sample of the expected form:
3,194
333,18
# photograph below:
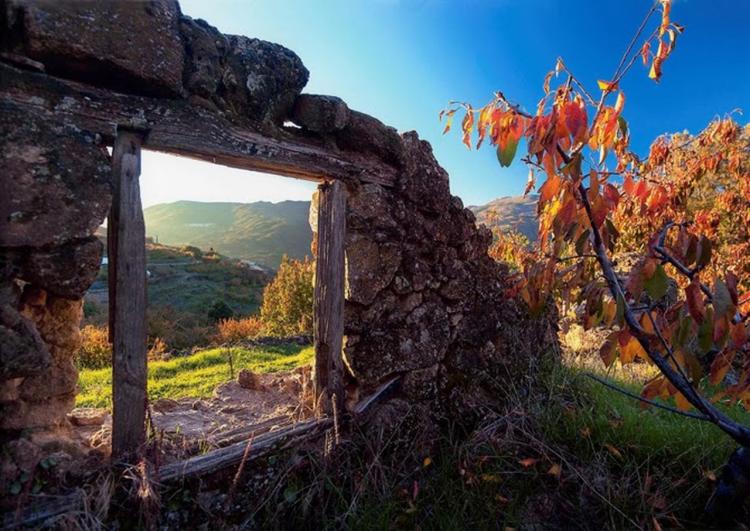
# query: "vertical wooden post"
126,244
328,307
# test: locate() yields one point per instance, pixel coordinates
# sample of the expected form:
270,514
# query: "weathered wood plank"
129,301
182,128
328,299
231,455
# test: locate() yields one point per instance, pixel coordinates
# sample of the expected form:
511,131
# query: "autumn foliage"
683,304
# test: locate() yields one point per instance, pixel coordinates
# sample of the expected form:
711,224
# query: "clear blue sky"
403,60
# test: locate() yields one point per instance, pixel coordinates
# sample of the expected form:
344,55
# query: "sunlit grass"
196,375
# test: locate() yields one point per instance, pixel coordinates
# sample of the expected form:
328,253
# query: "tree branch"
634,396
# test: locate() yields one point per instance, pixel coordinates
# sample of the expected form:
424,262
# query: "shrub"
287,308
235,330
95,351
220,311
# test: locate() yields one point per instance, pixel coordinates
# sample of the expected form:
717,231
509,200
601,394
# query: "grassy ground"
573,455
196,375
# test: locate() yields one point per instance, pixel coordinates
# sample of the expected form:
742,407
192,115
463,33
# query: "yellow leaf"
555,470
606,86
490,478
427,462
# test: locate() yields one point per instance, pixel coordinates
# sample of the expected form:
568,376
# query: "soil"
188,426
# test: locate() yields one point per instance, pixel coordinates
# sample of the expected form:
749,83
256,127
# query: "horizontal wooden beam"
182,128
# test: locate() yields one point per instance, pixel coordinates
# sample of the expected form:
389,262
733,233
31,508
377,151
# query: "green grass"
642,463
616,419
196,375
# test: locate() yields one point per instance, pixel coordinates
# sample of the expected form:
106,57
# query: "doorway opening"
230,315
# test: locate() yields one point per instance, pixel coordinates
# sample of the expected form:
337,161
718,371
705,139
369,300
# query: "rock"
365,134
245,78
132,47
249,380
320,114
163,405
370,268
205,48
66,270
262,79
22,351
88,416
55,181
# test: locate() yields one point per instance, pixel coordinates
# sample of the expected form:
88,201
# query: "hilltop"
513,212
261,232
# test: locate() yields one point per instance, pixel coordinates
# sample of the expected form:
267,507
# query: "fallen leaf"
555,470
529,461
612,450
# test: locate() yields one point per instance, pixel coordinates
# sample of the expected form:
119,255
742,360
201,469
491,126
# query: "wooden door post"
126,244
328,307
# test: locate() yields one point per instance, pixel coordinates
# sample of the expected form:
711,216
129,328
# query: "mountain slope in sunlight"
515,212
261,232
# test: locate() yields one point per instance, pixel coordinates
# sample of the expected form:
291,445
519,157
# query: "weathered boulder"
262,79
22,351
132,47
242,77
365,134
66,270
44,398
56,182
320,114
205,48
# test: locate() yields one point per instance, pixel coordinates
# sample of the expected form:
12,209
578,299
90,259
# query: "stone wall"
423,299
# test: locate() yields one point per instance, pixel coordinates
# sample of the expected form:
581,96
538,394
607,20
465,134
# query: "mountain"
516,212
261,232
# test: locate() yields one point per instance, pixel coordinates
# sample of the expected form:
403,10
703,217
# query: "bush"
288,300
220,311
95,351
235,330
178,329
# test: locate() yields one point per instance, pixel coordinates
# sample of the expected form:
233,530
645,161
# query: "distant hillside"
510,213
261,232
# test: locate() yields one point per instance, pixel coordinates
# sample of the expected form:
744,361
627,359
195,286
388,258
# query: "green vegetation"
572,452
288,300
196,375
261,232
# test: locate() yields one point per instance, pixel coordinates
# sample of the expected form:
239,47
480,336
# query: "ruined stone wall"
423,298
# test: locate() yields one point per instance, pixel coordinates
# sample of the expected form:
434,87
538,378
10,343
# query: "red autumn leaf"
695,304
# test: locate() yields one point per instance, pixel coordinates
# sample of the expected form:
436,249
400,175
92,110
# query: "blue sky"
403,60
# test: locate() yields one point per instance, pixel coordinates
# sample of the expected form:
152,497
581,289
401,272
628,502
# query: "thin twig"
634,396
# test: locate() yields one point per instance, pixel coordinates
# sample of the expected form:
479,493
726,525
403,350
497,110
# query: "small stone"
88,416
249,380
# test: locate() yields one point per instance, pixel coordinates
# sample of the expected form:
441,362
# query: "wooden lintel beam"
180,127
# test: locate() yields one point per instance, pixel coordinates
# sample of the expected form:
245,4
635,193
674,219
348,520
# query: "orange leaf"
550,188
528,462
645,52
682,402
